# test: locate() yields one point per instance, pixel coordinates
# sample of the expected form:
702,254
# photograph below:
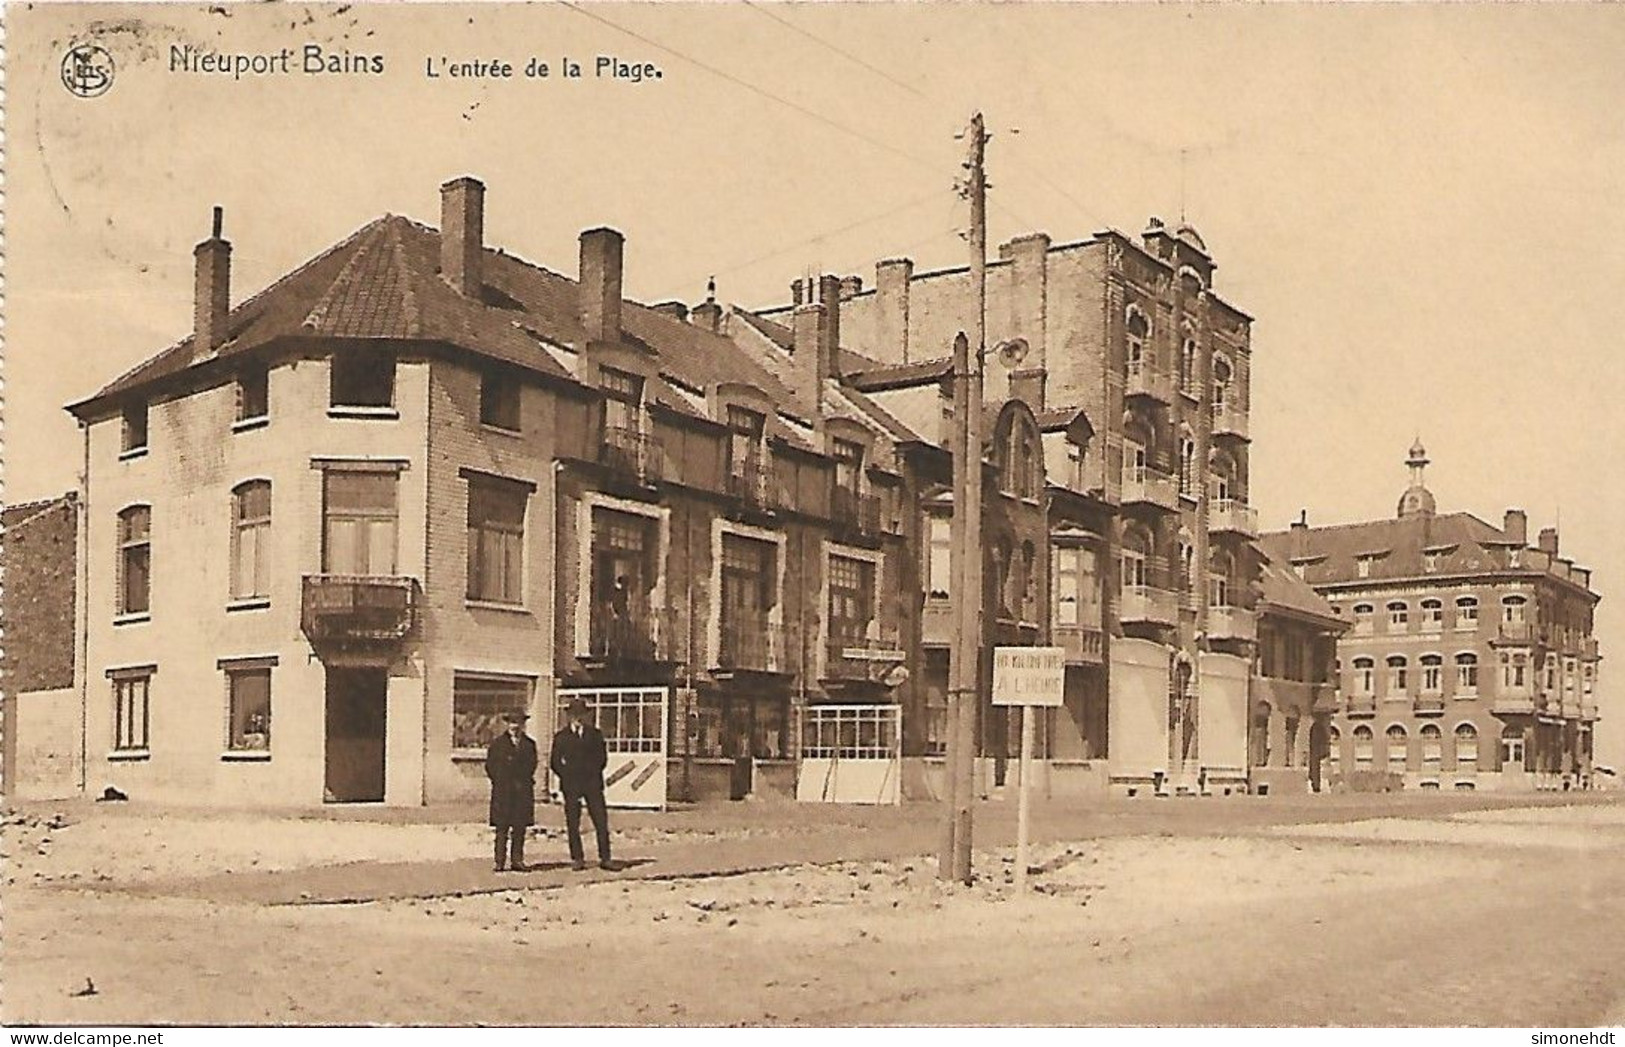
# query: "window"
1187,466
249,715
1399,616
134,434
1362,617
359,522
1512,748
848,465
1430,561
623,401
253,394
1221,386
1551,673
363,378
1397,676
1397,756
496,540
1068,583
939,558
745,430
1025,594
749,592
1365,676
1514,671
1466,612
478,705
1432,614
135,560
1362,748
1334,754
851,598
1466,674
1362,566
1432,674
132,718
1432,748
1187,365
1512,609
1466,749
1135,575
251,540
499,400
1138,331
1292,740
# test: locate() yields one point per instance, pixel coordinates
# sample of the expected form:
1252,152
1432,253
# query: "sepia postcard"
812,515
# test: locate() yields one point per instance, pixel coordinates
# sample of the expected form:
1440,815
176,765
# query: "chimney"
601,284
462,234
1548,541
891,308
1300,534
829,341
675,310
798,292
1029,293
708,314
211,295
1516,526
850,286
811,342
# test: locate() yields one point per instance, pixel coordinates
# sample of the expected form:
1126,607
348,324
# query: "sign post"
1033,678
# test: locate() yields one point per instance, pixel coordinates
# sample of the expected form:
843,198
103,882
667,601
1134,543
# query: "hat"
515,717
577,707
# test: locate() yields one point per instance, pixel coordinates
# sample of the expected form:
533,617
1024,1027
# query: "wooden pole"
1022,823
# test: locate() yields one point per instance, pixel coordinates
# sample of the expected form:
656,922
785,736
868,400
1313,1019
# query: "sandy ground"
1475,917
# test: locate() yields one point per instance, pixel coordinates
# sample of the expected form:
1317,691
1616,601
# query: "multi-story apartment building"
1134,379
1469,661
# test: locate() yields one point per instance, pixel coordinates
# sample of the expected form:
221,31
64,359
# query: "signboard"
1028,675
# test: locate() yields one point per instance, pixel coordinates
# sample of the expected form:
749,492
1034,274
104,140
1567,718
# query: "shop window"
479,704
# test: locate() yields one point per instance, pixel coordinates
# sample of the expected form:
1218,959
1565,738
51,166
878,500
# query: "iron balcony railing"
342,608
748,481
752,645
631,452
635,635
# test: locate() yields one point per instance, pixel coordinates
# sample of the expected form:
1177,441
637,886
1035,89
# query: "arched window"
135,560
1365,676
1514,671
1221,385
1136,554
1362,748
251,540
1399,616
1362,617
1432,674
1512,748
1219,569
1187,464
1397,755
1187,566
1432,748
1139,335
1466,749
1398,680
1466,674
1512,609
1466,612
1334,751
1029,583
1433,614
1261,735
1187,365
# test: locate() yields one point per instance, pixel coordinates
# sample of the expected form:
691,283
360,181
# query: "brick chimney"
211,295
462,234
851,287
892,278
675,310
601,284
810,347
708,314
1028,299
1516,526
1300,535
1548,541
798,292
829,341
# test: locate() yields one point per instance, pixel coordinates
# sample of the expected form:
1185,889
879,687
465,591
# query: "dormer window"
134,439
745,428
848,465
623,400
1362,566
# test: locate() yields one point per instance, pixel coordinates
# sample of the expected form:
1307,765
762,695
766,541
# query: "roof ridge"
409,298
328,299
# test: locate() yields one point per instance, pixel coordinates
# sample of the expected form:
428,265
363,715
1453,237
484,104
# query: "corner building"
1468,661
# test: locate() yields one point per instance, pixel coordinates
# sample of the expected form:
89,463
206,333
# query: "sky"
1420,204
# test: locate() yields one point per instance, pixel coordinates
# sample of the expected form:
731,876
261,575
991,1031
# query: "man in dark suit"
510,763
579,758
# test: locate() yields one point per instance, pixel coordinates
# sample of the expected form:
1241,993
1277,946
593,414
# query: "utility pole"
966,567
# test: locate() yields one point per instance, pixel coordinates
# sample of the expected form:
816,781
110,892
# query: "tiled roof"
1284,589
1331,554
896,376
383,282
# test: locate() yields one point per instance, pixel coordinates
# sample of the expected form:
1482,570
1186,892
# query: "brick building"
1469,660
39,729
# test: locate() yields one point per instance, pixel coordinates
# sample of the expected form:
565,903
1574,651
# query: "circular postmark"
87,70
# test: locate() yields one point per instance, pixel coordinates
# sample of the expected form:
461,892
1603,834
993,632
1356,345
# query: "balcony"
1144,604
860,651
1588,711
751,646
1588,649
1229,421
1362,705
359,611
1083,644
1514,634
1231,623
1513,704
1145,381
631,453
1144,485
641,636
857,512
1428,705
748,481
1232,516
939,622
1324,697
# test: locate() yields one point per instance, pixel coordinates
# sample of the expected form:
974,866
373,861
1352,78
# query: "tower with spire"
1417,499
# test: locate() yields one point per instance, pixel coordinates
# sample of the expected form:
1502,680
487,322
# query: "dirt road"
1442,915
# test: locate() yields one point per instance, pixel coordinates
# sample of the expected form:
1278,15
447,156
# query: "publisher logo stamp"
87,70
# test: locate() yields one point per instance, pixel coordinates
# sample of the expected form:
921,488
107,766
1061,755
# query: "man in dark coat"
579,758
510,763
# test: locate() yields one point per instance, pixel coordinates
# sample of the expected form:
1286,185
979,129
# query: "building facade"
1468,661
